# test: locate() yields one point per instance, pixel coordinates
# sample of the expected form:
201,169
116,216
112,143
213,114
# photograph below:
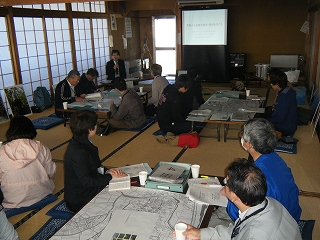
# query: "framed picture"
3,113
17,100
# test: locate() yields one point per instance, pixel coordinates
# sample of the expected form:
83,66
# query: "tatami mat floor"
125,147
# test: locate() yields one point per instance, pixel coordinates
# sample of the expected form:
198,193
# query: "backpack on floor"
41,98
190,140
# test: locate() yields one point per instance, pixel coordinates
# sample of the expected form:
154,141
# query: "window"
6,72
59,48
165,44
32,54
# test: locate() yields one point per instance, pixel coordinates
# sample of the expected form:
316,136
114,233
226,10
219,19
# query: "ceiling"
27,2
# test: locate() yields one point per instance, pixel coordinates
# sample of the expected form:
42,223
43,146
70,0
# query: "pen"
203,176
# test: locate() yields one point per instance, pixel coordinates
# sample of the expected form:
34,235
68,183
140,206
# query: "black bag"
103,129
41,98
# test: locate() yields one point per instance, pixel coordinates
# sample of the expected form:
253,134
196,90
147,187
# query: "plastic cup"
101,170
248,92
65,105
195,168
143,177
141,89
179,229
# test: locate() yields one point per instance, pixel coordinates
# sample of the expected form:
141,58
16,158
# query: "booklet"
206,190
120,183
168,173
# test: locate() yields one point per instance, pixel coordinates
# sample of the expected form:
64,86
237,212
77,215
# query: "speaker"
237,66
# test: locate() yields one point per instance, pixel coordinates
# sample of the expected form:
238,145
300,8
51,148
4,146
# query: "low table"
116,211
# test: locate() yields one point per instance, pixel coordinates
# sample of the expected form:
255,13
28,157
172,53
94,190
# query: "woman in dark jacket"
82,163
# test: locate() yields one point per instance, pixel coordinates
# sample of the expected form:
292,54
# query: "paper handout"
206,191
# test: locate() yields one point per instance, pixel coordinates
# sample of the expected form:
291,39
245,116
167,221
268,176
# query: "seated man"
82,178
130,112
171,115
66,92
259,139
284,112
158,84
115,67
259,217
86,84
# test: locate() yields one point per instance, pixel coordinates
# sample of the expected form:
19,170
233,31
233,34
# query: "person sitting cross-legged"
130,113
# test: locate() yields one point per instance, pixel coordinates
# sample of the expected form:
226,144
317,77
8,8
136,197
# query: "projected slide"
204,27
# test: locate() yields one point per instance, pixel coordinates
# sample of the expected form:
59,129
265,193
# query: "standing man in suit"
115,67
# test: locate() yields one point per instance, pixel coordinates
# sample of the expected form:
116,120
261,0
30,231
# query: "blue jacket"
281,185
285,114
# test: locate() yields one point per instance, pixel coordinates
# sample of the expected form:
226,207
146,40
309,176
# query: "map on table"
141,213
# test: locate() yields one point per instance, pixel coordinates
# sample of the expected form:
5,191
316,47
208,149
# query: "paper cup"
101,170
141,89
195,168
65,105
179,229
143,177
248,92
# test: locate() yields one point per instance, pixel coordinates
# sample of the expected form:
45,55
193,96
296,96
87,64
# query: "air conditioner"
199,2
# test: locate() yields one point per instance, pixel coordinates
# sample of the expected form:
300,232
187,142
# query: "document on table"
199,115
219,116
206,191
119,183
133,170
93,95
126,224
252,110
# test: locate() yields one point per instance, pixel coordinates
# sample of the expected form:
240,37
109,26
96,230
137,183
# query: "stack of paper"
168,173
199,115
206,190
120,183
93,95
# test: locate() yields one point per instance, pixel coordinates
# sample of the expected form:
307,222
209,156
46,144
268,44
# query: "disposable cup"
248,92
141,89
195,168
65,105
179,229
101,170
143,177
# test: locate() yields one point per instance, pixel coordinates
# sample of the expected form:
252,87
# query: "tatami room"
258,29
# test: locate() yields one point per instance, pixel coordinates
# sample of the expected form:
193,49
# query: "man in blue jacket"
284,112
259,139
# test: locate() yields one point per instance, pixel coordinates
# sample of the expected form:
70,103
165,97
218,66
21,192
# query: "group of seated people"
262,195
170,103
248,181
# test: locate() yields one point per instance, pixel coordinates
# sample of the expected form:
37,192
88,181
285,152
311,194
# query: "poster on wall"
127,24
3,113
113,22
17,100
